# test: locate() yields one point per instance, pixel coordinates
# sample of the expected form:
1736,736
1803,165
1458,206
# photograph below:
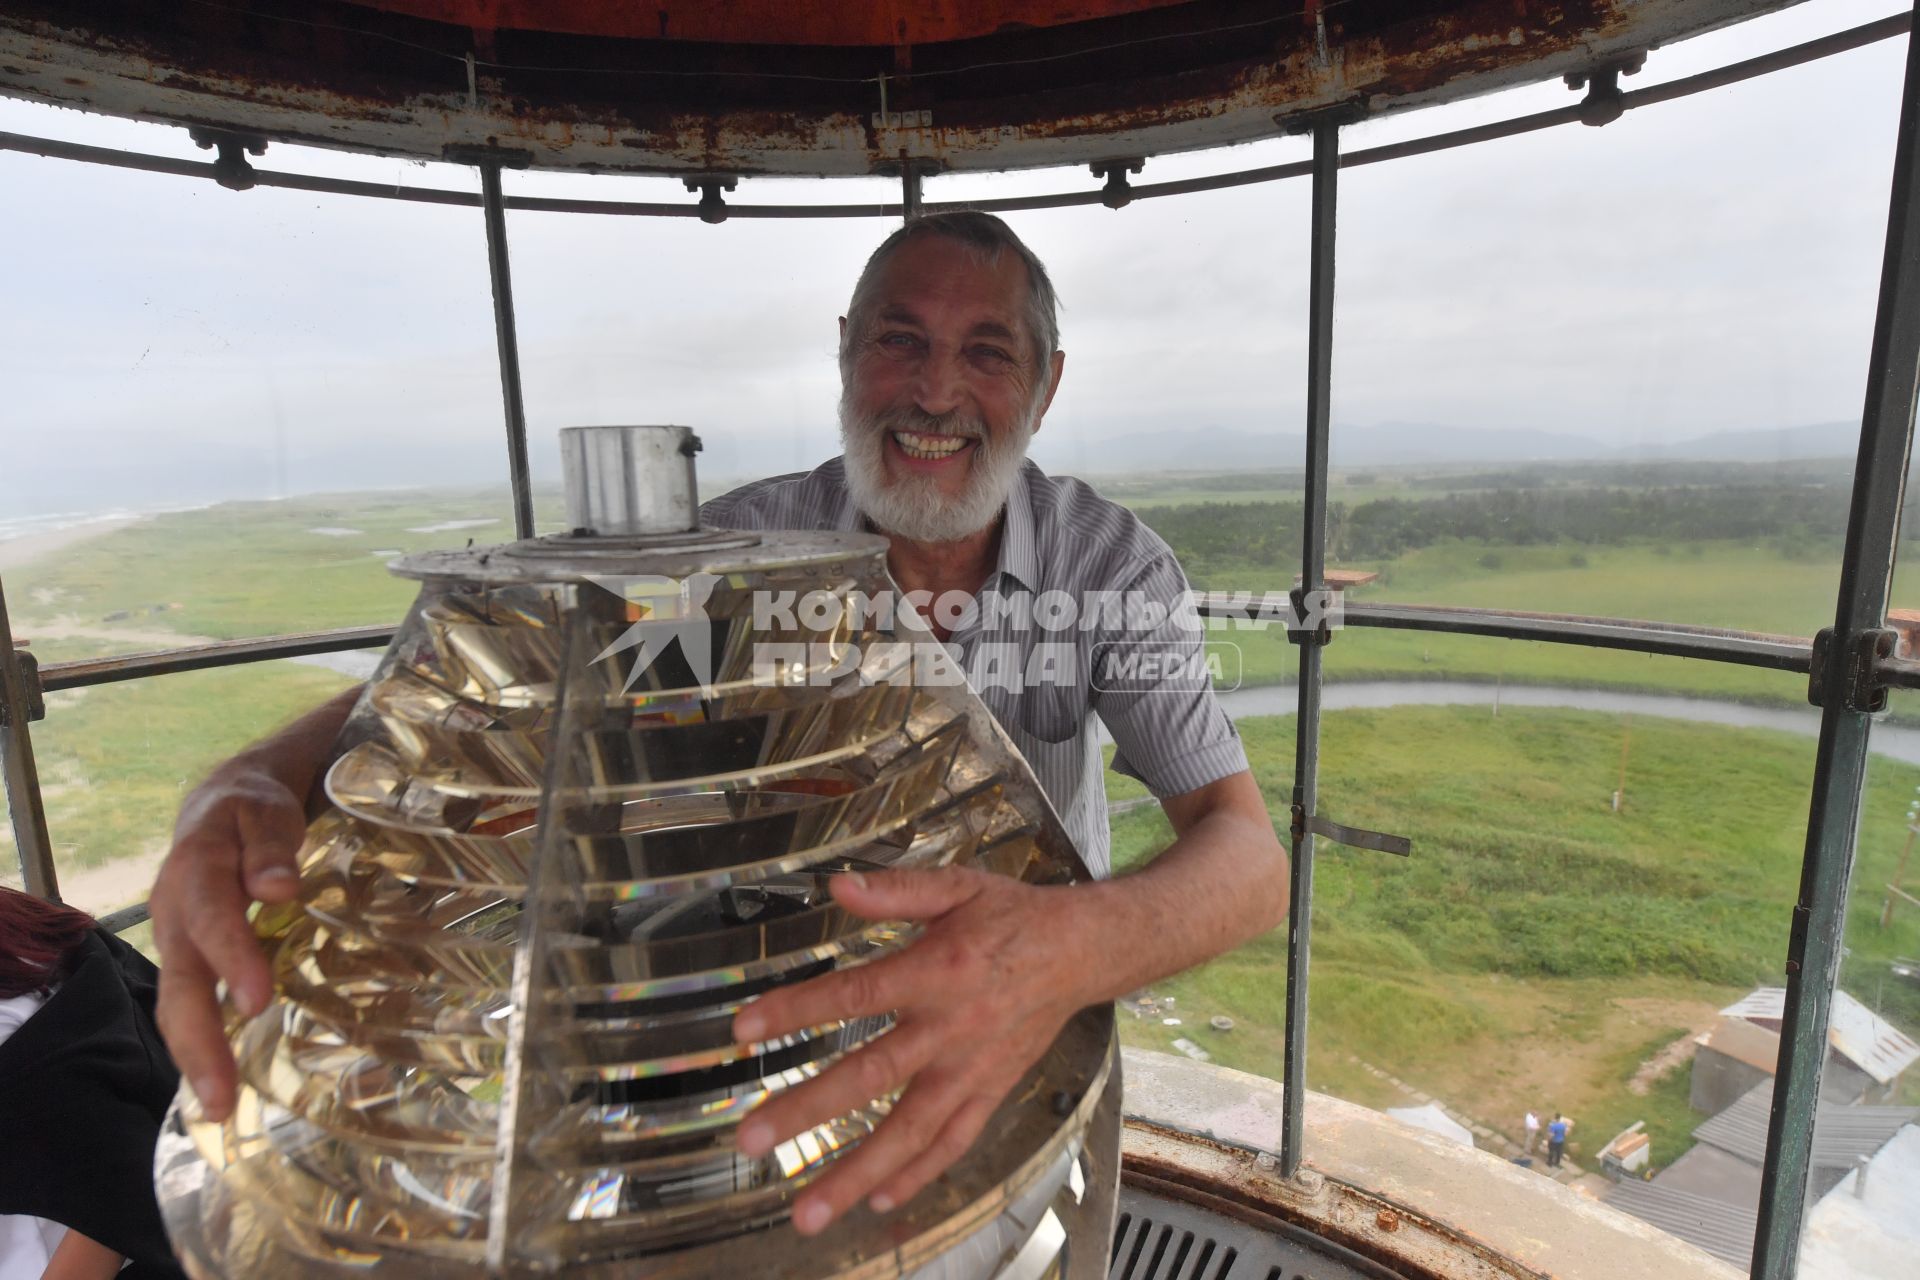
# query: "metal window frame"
1849,666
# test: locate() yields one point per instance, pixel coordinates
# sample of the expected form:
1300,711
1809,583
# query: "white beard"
912,506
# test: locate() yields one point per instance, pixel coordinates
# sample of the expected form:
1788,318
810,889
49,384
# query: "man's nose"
939,387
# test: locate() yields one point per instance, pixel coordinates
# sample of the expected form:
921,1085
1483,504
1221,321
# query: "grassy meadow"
243,569
1538,947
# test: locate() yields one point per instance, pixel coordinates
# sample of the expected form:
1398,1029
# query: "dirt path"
1672,1058
108,887
70,628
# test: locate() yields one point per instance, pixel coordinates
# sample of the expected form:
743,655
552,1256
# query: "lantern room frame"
1850,666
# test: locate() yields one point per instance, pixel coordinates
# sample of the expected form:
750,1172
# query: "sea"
12,527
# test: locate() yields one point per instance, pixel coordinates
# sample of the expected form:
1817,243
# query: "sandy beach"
15,552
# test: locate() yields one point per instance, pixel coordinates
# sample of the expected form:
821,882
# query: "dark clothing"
1556,1142
84,1085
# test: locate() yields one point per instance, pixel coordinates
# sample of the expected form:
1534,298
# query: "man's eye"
991,355
902,341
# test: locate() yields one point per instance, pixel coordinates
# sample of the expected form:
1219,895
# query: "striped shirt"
1144,677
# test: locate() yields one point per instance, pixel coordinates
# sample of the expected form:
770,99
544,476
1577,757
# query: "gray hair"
987,236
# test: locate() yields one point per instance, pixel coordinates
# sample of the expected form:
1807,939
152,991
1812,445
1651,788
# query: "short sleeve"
1153,689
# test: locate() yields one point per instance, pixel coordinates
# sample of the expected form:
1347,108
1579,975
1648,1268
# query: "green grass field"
258,569
1537,947
116,761
1704,584
245,569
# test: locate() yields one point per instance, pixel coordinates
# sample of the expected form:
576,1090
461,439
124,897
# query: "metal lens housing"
591,804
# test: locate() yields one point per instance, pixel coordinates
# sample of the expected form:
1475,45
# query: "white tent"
1433,1120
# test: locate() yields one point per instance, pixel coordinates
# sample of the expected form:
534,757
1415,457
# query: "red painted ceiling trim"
798,22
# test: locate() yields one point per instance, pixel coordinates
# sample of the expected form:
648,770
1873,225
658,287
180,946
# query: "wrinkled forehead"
940,283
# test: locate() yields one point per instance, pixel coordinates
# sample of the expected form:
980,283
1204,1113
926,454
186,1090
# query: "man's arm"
235,842
79,1257
998,970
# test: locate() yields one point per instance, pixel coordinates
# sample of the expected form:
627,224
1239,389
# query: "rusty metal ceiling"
804,86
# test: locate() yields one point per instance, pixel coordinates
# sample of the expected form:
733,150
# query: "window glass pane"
729,329
732,328
227,413
1197,430
116,761
1866,1142
1618,371
1595,876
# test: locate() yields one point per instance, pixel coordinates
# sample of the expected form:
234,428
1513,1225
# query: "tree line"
1786,516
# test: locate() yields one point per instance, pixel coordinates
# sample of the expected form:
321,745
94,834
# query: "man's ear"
1056,367
843,333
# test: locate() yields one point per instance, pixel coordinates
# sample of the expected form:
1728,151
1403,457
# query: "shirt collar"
844,515
1019,542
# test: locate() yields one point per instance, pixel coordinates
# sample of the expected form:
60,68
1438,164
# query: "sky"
1702,266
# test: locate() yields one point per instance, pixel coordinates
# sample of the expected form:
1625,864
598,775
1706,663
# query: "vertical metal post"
494,205
22,775
910,197
1819,916
1306,751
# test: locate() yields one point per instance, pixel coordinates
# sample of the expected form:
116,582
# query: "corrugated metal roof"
1723,1230
1874,1045
1745,1042
1841,1134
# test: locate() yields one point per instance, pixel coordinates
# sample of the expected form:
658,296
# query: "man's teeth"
929,447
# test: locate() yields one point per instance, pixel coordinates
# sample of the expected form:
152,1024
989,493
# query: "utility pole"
1626,741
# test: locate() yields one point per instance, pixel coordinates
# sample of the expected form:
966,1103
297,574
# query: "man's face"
942,389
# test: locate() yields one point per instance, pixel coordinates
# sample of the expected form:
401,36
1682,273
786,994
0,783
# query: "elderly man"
949,360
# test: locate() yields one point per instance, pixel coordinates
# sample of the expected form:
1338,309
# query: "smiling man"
949,360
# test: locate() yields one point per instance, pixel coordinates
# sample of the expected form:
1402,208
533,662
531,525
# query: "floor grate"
1164,1239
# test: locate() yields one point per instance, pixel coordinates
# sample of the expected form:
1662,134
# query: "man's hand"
235,842
979,996
998,970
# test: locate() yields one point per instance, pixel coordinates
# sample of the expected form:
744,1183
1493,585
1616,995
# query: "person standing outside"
1557,1139
1533,1130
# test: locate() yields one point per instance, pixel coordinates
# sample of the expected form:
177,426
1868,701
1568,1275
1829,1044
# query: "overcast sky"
1699,266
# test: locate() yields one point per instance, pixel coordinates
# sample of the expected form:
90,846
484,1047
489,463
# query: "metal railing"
1849,666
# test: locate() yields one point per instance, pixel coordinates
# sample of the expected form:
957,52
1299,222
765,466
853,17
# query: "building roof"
1433,1120
1851,1234
1724,1230
1340,579
1706,1170
1874,1045
1744,1041
1841,1134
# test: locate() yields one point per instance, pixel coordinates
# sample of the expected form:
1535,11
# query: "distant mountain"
1428,444
1781,444
1386,443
